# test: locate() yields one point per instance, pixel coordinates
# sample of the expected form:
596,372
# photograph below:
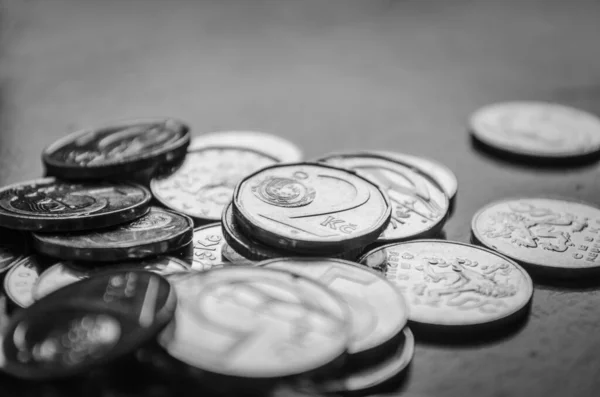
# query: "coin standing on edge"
13,248
21,279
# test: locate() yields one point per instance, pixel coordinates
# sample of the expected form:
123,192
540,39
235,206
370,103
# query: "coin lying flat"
208,246
52,205
310,208
119,148
256,323
22,277
548,236
419,205
233,256
537,129
156,233
203,185
13,248
453,284
377,309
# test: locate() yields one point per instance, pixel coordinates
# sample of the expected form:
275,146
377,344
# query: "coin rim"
10,274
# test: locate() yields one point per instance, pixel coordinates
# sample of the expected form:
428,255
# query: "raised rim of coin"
23,278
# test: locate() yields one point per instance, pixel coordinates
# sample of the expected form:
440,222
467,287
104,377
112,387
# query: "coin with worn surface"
20,280
256,323
203,185
537,129
311,208
549,236
419,205
377,308
13,248
158,232
208,247
262,142
119,148
52,205
453,284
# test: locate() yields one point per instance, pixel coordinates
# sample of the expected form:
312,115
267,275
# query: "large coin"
52,205
116,149
377,309
454,284
256,323
203,185
13,248
549,236
158,232
311,208
419,205
537,129
21,279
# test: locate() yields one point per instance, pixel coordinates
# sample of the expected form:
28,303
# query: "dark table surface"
330,75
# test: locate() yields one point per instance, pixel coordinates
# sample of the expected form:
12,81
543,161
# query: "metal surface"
21,278
13,247
208,245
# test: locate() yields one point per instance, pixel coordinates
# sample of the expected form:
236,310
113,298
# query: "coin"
13,248
203,185
262,142
21,278
310,208
115,149
156,233
52,205
537,129
233,256
208,246
377,308
419,205
549,236
453,284
256,323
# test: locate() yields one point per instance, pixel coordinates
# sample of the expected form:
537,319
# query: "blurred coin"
310,208
549,236
123,147
377,309
20,280
537,129
13,248
203,185
419,205
453,284
52,205
208,246
156,233
271,145
233,256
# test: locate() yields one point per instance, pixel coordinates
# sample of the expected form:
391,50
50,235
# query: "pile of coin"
223,262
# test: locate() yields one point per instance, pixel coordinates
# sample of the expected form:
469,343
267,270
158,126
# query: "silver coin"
377,308
233,256
537,129
21,279
204,184
310,208
13,248
551,236
209,247
453,284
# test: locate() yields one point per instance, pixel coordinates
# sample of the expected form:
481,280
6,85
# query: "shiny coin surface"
233,256
419,205
537,129
13,248
256,323
204,184
52,205
208,247
123,147
377,308
453,284
158,232
551,236
262,142
20,280
311,208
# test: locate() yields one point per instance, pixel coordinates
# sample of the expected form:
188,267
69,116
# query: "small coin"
22,277
310,208
549,236
124,147
156,233
52,205
453,284
250,323
208,246
419,205
203,185
13,248
537,129
377,308
271,145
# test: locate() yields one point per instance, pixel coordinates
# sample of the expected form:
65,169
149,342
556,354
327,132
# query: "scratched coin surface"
158,232
419,204
203,185
119,148
537,129
453,284
21,279
551,236
311,208
377,308
256,323
52,205
13,248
